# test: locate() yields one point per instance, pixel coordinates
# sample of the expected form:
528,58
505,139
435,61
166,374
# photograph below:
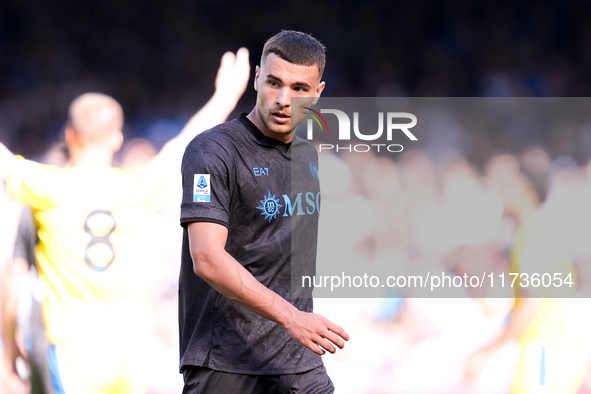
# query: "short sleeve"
29,182
206,181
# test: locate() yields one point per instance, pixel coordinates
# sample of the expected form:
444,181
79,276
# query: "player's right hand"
316,332
233,74
10,383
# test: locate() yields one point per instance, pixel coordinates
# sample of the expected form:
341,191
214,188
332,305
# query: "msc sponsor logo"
304,203
270,206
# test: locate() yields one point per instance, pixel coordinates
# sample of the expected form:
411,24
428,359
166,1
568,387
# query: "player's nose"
283,97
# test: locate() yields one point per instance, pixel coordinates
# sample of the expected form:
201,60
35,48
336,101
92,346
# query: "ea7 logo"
392,123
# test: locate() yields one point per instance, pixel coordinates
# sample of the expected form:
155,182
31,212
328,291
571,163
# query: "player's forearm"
230,278
214,112
524,312
226,275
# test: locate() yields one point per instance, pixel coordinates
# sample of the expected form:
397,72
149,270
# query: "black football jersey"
267,194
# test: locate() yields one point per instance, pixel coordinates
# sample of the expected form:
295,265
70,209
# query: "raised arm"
231,81
522,315
212,263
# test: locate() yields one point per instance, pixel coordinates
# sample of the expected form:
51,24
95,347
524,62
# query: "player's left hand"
233,74
316,332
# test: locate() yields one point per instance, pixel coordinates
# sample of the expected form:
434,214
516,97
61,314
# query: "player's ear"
70,136
257,73
318,92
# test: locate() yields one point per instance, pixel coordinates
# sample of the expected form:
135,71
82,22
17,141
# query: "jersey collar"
251,127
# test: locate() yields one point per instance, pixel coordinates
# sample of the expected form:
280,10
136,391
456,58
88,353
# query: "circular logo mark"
313,169
269,206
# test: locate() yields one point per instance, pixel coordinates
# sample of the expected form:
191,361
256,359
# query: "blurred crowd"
411,212
156,59
416,214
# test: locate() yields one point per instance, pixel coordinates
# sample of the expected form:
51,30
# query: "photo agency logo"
390,126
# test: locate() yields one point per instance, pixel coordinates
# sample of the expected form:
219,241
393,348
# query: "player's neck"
90,158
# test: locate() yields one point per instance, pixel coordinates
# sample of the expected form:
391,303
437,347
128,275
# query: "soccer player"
14,263
23,335
250,190
90,218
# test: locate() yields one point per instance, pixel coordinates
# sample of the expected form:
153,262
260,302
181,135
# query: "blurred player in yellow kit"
552,354
90,255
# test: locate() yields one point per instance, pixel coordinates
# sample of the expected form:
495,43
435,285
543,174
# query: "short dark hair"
297,48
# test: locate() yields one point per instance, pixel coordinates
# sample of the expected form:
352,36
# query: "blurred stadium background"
159,61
